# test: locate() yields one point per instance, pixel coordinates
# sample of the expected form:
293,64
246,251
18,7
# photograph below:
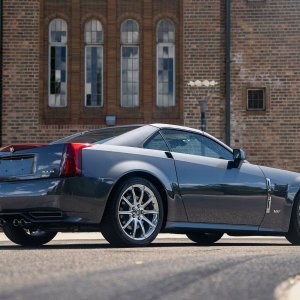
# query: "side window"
156,143
214,149
195,144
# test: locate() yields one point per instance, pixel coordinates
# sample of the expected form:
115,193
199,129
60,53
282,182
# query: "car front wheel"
26,237
293,236
204,239
134,214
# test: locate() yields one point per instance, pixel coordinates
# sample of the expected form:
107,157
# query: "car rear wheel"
25,237
204,239
134,214
293,236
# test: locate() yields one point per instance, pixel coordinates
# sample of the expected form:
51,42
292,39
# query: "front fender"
285,188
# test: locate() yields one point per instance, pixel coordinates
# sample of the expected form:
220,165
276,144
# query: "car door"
212,189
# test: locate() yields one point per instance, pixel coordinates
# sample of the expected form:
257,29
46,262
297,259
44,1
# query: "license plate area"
16,166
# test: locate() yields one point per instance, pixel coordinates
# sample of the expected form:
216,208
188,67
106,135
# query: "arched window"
165,38
93,37
58,37
130,64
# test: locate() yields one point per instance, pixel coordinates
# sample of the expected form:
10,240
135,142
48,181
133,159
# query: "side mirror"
239,156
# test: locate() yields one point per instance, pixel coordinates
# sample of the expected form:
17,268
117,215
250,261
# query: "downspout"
1,66
227,71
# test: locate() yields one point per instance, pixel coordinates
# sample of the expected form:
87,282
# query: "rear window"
99,136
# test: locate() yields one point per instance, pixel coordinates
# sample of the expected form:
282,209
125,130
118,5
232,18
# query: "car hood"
281,176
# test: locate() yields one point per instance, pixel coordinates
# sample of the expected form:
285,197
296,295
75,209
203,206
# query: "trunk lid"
30,161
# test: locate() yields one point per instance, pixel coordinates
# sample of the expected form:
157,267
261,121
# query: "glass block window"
93,37
130,64
165,64
256,99
58,37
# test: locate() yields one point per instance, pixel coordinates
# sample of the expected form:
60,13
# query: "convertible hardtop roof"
178,127
134,137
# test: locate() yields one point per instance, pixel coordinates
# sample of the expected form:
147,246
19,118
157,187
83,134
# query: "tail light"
71,162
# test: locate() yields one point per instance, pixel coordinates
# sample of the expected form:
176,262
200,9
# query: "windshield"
98,136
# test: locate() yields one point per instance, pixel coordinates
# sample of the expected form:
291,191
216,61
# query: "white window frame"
174,73
121,75
85,75
99,45
55,44
166,44
121,67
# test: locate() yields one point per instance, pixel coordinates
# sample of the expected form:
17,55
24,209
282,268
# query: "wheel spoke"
148,221
142,194
128,203
134,196
143,228
150,212
128,223
134,228
147,203
124,212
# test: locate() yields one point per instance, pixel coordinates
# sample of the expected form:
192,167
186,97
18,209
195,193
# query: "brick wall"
266,53
21,78
26,115
204,60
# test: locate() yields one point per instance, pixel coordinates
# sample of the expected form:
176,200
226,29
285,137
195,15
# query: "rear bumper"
75,200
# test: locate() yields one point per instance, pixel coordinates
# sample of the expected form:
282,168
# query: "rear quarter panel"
108,163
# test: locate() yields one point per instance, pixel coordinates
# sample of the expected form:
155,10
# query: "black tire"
204,239
21,237
293,236
113,222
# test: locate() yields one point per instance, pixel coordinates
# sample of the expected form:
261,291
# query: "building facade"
73,65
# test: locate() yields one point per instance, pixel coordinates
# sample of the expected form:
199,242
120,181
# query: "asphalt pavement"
171,268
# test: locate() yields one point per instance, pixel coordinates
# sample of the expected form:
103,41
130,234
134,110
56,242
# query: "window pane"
58,63
165,76
93,33
129,32
156,143
256,99
93,76
182,142
130,76
58,31
58,80
165,32
195,144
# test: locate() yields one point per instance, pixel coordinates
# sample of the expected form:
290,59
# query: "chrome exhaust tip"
2,222
23,223
16,222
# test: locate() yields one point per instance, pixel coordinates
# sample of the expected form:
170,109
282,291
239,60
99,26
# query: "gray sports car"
132,182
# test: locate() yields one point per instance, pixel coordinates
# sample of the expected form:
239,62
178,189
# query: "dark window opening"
256,99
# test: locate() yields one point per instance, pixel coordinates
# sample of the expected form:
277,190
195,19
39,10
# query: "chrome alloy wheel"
138,212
